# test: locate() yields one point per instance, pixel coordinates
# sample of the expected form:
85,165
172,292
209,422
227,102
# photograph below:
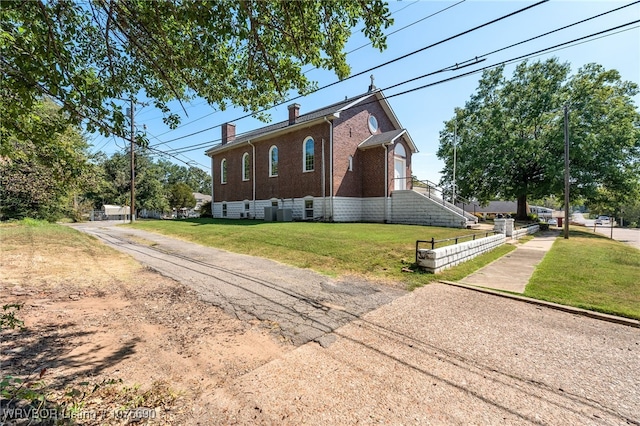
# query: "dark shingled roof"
310,116
381,139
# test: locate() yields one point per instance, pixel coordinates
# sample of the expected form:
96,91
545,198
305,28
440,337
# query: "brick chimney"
228,133
294,111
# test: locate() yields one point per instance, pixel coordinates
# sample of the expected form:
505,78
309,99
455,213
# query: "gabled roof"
329,112
386,138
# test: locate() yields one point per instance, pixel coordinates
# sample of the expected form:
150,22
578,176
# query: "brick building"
339,163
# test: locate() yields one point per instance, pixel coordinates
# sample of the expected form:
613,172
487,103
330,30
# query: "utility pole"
566,171
133,170
455,140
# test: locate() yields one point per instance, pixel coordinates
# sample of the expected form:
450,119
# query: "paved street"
625,235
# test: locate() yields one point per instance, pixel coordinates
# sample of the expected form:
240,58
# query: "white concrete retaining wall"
519,233
442,258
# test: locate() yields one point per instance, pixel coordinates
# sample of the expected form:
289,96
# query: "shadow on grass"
235,222
578,233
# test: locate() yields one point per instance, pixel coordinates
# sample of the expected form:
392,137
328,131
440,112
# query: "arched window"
273,161
399,150
308,157
223,171
245,166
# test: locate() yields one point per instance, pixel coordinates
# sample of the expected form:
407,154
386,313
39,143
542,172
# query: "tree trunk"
522,213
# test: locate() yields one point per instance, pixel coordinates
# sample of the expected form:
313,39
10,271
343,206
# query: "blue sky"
422,112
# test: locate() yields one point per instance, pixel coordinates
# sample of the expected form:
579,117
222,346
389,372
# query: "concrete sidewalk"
513,271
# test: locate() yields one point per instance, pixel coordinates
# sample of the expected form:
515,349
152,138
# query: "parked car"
552,222
603,220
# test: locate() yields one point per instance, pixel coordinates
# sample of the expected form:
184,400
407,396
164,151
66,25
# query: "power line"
373,68
311,69
564,45
519,58
402,28
455,67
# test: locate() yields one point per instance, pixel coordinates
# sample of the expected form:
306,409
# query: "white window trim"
245,156
305,209
371,129
223,174
271,163
304,154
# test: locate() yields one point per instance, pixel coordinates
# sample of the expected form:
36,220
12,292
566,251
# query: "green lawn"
377,251
592,272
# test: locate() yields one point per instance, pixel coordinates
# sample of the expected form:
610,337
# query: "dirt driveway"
300,304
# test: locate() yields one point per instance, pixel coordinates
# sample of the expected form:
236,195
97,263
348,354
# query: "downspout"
253,176
324,185
386,179
330,166
212,185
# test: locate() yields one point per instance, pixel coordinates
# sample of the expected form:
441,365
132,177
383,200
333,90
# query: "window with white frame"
308,209
245,166
223,171
308,157
273,161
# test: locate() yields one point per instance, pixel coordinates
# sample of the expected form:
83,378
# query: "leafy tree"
49,166
244,53
180,196
197,179
510,135
115,183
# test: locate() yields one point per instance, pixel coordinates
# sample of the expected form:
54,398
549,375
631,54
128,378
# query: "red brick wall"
291,182
350,129
367,179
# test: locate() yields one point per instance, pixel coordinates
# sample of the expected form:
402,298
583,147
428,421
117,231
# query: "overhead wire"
493,21
391,33
472,61
564,45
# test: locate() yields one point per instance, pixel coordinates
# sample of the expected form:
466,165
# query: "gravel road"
298,303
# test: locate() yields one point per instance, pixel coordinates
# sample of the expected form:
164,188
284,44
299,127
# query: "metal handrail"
436,188
433,241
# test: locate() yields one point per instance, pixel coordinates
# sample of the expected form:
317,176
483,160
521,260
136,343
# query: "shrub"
205,210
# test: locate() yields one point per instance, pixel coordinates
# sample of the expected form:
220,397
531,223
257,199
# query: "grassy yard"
592,272
376,251
39,253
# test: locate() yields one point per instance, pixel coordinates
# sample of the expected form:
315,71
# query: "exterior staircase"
426,205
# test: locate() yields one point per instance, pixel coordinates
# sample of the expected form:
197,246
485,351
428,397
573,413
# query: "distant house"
346,162
200,200
113,212
495,208
195,211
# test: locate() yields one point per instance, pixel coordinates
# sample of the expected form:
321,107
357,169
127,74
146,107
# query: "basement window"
308,209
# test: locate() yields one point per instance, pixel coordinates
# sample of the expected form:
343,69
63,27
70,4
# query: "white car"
552,222
603,220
